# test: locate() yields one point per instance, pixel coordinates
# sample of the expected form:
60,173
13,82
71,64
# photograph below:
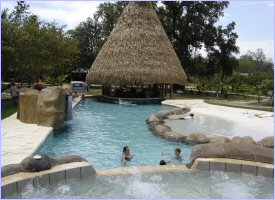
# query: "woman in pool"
126,155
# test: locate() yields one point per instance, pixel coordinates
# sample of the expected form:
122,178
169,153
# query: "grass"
253,107
8,109
235,101
94,91
203,96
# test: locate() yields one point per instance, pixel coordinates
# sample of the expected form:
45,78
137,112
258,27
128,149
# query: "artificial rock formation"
44,108
219,139
196,138
29,164
250,152
243,140
156,122
267,142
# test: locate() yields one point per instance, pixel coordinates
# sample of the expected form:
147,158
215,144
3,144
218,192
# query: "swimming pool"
161,185
99,131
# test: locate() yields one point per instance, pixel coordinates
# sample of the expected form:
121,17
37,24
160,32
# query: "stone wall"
156,122
44,108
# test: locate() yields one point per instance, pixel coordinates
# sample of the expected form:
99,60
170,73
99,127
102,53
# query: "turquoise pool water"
99,131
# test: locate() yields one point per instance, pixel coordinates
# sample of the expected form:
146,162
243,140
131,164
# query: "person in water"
162,162
126,155
188,117
177,154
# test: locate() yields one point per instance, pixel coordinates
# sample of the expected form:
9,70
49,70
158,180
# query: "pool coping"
20,140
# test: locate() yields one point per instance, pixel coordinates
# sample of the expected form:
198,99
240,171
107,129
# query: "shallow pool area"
99,131
211,126
161,186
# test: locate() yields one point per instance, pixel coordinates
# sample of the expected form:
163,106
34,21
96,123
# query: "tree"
32,48
246,66
226,45
190,24
90,40
263,63
266,86
108,14
21,11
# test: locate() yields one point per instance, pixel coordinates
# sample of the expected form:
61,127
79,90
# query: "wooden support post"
171,91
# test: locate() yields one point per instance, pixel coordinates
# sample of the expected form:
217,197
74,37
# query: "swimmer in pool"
126,155
177,154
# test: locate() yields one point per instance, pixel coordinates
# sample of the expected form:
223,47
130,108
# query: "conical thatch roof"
137,52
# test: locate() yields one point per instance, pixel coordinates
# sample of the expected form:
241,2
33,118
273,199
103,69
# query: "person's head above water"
162,162
177,152
191,115
126,150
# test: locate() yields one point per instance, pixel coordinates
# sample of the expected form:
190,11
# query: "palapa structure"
137,52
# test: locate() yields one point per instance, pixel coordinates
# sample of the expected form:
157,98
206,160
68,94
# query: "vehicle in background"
79,87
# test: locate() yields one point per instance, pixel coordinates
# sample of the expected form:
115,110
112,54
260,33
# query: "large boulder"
51,107
267,142
178,111
27,107
30,164
10,169
170,135
219,139
66,159
249,152
45,107
196,138
243,140
153,118
161,129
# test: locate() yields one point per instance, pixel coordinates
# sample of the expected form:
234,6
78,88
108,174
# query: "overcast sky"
254,19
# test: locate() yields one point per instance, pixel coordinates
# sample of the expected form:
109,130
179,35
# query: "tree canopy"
32,48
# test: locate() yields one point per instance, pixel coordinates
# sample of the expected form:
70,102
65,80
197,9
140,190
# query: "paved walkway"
20,140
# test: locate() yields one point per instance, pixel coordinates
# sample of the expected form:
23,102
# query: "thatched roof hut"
137,52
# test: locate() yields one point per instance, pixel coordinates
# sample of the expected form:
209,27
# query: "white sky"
254,19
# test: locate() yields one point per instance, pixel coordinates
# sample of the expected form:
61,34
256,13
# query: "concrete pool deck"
244,117
20,140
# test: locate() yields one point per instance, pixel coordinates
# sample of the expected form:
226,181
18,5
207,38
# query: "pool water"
99,131
164,185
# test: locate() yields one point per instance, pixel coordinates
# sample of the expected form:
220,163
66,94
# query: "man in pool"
177,158
126,155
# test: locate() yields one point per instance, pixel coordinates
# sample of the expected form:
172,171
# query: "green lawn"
7,108
95,91
204,96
